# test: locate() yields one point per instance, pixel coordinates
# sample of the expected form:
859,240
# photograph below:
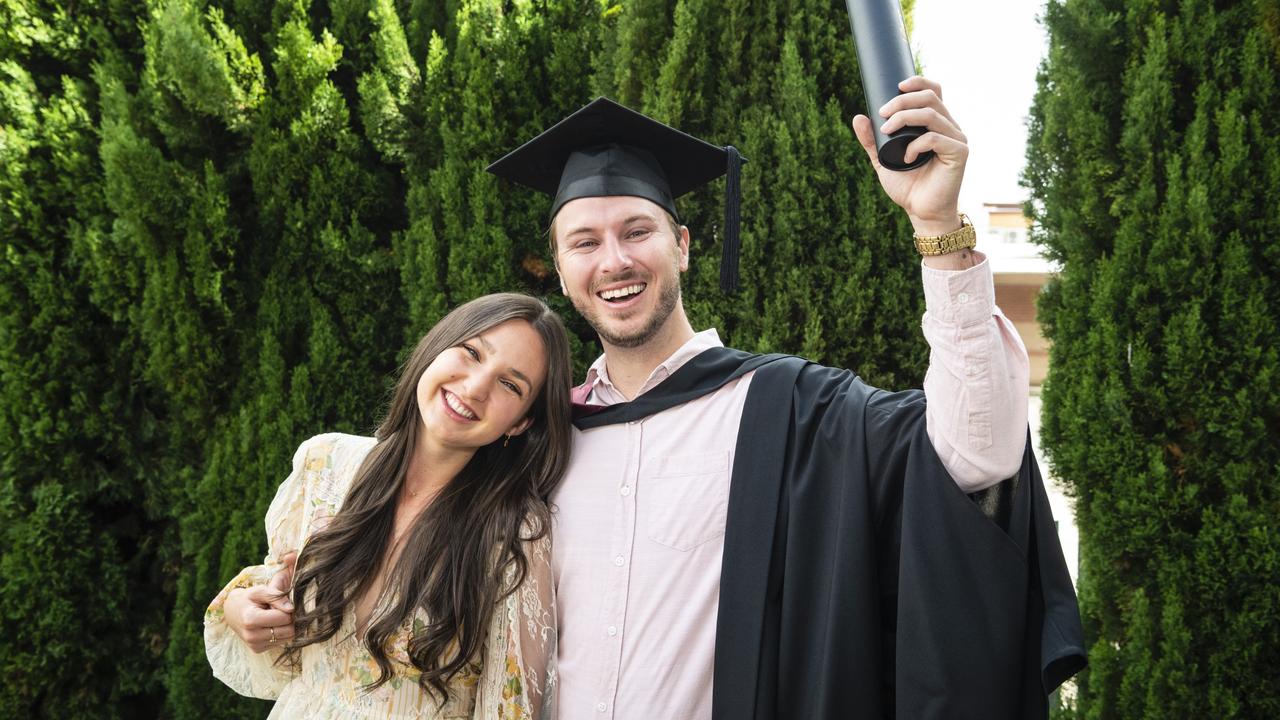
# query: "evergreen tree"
1153,162
81,539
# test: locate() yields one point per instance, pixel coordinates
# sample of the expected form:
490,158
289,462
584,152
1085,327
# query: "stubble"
668,299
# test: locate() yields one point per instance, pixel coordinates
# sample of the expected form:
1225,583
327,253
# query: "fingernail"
288,605
884,128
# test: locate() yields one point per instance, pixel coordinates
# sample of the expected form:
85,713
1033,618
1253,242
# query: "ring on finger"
273,636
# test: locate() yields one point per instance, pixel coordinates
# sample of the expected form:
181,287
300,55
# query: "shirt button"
601,707
963,298
613,630
972,369
618,561
625,491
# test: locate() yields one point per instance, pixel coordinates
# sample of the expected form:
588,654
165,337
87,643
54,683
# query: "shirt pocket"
683,504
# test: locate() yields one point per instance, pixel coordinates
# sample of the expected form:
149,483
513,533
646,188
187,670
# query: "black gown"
858,580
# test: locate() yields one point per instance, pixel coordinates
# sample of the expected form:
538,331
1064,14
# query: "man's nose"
617,258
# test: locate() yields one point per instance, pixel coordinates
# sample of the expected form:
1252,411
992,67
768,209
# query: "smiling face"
620,263
482,388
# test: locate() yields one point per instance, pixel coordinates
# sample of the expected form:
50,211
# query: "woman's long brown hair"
459,549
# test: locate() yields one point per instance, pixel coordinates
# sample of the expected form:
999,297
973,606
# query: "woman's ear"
520,426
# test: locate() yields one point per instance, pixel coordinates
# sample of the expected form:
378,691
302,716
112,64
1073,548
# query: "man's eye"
585,244
639,232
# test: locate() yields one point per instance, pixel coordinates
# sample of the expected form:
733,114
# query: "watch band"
961,238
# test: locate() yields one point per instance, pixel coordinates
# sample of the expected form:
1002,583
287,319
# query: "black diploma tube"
884,59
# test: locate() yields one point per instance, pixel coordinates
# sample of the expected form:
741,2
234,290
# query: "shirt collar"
603,391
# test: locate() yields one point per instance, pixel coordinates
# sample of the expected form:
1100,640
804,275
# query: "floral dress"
514,680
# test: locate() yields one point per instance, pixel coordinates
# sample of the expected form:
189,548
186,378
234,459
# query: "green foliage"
1154,161
224,223
84,612
50,549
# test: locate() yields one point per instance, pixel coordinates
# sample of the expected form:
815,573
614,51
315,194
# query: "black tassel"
732,220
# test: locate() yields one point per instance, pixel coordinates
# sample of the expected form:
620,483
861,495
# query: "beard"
668,299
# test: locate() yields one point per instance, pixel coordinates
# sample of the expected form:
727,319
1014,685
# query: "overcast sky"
985,53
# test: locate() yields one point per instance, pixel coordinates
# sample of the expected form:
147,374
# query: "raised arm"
978,377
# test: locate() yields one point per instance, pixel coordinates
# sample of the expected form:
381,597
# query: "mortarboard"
608,149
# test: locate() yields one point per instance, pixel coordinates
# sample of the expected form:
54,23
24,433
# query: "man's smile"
622,293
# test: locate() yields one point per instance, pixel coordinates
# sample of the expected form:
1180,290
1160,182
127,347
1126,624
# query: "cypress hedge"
1153,162
84,536
225,223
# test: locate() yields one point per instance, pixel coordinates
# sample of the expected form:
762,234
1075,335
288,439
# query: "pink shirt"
640,515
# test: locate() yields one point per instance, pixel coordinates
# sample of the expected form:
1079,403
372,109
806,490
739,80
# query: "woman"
423,583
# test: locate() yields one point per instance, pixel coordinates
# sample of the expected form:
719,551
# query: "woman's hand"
262,615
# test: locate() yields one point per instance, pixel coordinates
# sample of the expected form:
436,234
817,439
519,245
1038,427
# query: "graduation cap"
607,149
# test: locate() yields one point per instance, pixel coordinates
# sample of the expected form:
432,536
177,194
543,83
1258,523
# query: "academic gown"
858,580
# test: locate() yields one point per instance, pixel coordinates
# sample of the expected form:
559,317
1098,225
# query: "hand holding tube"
930,194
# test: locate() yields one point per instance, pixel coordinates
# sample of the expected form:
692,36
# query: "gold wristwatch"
961,238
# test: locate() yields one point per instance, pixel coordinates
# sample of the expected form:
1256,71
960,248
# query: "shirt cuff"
960,297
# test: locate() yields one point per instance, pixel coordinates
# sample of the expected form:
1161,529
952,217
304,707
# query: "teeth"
622,292
458,407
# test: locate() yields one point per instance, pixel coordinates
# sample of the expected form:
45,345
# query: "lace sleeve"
518,677
247,672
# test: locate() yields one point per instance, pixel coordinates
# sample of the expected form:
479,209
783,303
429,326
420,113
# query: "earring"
504,442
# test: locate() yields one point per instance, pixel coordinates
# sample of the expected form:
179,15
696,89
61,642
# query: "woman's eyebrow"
519,375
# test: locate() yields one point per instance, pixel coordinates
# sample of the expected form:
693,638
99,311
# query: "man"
742,536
